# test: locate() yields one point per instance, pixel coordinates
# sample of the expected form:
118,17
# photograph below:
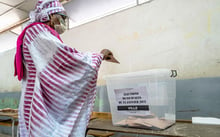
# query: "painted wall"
182,35
8,83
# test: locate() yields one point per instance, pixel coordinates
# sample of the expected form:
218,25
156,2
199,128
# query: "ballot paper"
151,123
206,120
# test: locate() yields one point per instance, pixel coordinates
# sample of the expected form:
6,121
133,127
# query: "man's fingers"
112,59
108,56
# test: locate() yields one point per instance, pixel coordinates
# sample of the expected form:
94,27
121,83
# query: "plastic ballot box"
144,99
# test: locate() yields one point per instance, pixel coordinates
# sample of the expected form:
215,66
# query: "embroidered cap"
44,8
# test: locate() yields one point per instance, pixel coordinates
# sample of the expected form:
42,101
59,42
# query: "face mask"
60,28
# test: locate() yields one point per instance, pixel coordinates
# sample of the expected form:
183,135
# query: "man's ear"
51,21
51,17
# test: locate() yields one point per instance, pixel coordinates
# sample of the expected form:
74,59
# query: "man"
58,82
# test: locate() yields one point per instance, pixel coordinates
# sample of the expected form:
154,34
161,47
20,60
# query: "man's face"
58,22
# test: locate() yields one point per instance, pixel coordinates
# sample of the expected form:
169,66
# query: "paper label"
132,100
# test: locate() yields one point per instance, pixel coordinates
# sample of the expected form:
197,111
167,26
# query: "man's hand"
108,56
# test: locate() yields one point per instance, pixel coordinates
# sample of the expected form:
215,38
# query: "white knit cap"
44,8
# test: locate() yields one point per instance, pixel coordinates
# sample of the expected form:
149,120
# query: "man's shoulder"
36,28
33,31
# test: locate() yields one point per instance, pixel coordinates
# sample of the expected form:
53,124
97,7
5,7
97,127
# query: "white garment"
58,87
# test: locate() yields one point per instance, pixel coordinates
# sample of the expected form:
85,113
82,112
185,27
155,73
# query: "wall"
181,35
8,83
173,34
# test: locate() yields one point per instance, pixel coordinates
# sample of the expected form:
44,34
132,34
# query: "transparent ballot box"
144,99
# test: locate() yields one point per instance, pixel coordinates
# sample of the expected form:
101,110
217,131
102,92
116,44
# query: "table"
12,121
179,129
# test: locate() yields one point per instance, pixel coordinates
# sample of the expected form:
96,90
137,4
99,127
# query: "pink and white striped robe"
58,86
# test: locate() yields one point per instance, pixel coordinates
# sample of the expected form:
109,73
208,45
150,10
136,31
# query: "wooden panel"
103,115
100,133
7,123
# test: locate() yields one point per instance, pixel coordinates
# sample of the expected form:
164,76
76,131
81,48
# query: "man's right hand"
108,56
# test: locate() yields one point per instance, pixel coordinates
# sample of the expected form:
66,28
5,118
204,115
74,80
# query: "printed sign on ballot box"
132,101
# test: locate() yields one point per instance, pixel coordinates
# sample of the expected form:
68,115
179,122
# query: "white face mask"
60,28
